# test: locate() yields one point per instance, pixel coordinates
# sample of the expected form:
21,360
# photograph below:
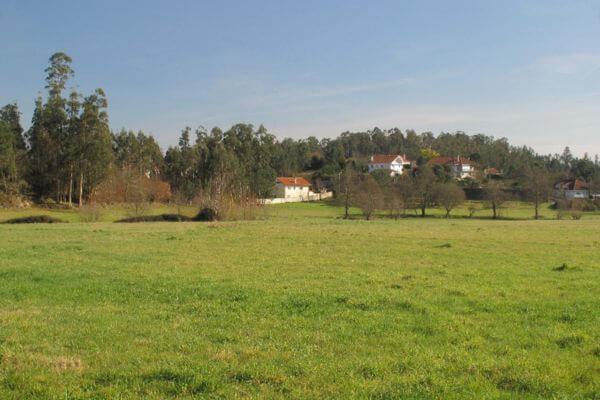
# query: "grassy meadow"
301,304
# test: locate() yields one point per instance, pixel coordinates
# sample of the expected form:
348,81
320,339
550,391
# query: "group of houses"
398,164
463,168
291,189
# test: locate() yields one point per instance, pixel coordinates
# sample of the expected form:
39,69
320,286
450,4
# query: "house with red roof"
292,187
396,164
572,189
460,167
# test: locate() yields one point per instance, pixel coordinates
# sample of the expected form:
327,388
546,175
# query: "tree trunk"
5,182
537,214
494,210
422,211
71,186
346,206
81,189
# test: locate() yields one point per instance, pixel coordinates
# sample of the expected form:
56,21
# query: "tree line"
424,187
70,155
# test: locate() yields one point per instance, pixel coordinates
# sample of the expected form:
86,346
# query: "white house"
571,189
460,167
292,187
395,163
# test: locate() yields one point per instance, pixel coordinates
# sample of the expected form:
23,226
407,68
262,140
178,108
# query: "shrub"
577,207
53,205
13,201
34,219
473,208
220,199
576,214
90,213
158,218
158,190
562,207
588,205
129,186
137,208
206,214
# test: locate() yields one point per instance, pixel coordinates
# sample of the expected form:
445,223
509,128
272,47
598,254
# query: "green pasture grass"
301,304
107,214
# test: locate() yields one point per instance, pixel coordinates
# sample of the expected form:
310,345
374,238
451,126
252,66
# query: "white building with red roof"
572,189
397,164
460,167
292,187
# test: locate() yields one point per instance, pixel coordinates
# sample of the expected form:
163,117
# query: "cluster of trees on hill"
70,155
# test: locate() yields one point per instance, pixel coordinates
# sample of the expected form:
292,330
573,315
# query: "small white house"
292,187
396,164
460,167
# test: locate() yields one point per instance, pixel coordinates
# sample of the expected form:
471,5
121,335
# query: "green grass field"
301,304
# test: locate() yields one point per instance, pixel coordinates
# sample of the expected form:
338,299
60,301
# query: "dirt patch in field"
29,361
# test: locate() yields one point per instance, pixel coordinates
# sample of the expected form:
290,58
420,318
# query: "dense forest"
70,155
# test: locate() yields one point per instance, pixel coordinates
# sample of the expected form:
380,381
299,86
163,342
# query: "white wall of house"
311,197
572,194
466,171
462,171
396,167
286,191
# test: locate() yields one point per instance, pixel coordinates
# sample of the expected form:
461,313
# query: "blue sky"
526,70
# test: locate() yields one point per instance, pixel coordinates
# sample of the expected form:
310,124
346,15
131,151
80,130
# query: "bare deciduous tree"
473,208
345,185
424,188
495,197
367,196
449,196
537,187
404,190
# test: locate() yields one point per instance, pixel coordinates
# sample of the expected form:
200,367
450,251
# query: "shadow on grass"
205,215
158,218
451,217
35,219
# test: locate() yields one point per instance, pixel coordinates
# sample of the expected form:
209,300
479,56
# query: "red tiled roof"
386,158
292,181
579,184
445,160
572,184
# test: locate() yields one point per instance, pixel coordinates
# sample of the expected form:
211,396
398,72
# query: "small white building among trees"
292,187
396,164
459,167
